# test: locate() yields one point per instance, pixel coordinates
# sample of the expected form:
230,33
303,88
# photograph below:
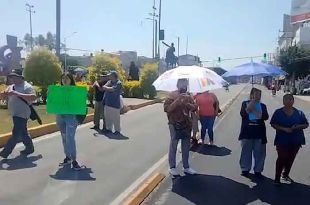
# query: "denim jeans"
252,148
19,131
67,125
207,123
185,146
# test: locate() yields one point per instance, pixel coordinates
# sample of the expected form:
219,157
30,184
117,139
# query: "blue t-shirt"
297,137
258,108
112,98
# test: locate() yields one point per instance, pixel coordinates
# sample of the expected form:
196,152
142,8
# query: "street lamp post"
65,42
58,5
159,28
31,11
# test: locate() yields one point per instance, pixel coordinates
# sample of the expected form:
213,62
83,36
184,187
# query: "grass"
6,124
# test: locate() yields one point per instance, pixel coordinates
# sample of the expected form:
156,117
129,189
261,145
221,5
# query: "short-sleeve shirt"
112,98
205,104
17,107
297,137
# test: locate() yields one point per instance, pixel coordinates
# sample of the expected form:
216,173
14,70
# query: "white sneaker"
174,172
200,141
190,171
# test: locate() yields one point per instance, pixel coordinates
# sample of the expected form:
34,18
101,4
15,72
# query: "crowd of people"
184,110
20,95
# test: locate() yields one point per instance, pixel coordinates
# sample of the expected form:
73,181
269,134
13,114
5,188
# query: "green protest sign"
67,100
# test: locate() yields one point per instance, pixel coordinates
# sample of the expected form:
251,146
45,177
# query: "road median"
45,129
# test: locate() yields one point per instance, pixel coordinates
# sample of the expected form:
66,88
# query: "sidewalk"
304,98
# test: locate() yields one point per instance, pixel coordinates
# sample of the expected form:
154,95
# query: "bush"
148,75
3,103
43,69
132,89
103,62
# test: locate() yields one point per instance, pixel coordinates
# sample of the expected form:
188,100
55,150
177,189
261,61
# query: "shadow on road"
214,190
211,150
20,162
111,135
66,173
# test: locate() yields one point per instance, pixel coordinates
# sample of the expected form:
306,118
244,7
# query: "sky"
215,28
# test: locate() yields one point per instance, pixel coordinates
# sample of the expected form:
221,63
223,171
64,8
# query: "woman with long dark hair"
67,124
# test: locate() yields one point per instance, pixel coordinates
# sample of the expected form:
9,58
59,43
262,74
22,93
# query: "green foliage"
148,75
103,62
42,69
132,89
295,60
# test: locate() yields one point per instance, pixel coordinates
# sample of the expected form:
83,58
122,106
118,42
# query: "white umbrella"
200,79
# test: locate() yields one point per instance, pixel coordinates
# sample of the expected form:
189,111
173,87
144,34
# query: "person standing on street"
133,71
20,93
112,100
99,104
208,109
178,106
289,124
67,124
253,134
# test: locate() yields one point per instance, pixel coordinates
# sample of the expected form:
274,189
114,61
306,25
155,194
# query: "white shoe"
200,141
174,172
190,171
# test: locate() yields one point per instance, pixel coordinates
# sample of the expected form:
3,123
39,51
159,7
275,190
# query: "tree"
43,69
103,62
40,40
50,41
295,61
27,41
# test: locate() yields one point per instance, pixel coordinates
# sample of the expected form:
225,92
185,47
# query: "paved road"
112,164
219,181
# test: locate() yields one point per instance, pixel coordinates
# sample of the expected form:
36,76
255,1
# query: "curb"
52,127
144,191
147,187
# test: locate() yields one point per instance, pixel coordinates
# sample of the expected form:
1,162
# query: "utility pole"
178,46
186,44
65,42
58,12
31,11
156,39
159,29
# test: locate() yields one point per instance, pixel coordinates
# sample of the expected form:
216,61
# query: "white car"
306,91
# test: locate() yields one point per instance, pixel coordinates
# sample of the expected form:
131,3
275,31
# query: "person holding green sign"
67,124
112,101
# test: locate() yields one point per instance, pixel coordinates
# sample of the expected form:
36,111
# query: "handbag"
181,130
34,116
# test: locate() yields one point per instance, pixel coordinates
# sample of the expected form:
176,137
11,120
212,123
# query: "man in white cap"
20,94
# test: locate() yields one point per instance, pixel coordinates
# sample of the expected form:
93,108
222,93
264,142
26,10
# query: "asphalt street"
219,181
112,163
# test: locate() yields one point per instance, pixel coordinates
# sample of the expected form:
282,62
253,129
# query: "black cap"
16,73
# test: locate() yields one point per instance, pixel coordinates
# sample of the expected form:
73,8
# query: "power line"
237,58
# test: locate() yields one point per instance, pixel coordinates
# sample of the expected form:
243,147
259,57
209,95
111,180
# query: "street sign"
162,35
